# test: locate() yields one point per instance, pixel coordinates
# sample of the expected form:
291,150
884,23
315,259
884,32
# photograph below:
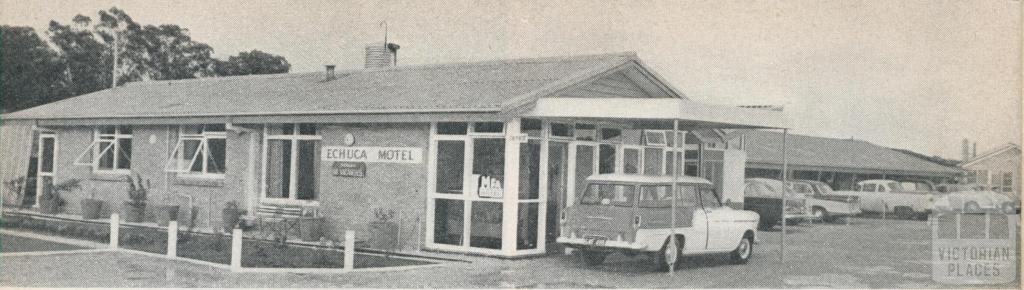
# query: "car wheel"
819,214
593,258
744,250
972,207
661,263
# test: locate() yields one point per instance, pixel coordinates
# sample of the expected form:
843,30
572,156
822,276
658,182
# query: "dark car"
764,196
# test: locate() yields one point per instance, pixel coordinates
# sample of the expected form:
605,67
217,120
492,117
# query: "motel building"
476,158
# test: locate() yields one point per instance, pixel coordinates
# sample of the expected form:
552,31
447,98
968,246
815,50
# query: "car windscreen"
823,188
609,194
775,190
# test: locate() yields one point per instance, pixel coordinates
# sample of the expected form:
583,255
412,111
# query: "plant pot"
134,213
49,206
229,218
311,229
383,235
91,208
165,214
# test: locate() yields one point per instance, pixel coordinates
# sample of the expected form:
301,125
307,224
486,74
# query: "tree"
84,52
253,62
30,72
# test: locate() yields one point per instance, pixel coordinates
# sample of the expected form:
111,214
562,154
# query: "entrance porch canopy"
660,111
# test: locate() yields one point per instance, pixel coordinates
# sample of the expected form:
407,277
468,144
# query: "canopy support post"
785,167
675,191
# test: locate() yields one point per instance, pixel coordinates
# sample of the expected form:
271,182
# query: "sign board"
520,138
486,186
349,169
409,155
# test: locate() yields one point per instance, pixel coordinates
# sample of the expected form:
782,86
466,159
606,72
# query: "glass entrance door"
46,151
584,159
558,167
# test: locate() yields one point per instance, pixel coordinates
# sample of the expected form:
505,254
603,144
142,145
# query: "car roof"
638,178
877,181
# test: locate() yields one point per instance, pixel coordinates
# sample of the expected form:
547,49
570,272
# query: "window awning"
688,113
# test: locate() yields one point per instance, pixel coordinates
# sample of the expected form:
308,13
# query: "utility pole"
116,47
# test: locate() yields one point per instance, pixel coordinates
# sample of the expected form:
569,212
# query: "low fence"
233,251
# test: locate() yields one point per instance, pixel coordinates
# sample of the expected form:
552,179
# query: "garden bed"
265,254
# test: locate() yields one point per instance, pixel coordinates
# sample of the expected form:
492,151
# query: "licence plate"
596,241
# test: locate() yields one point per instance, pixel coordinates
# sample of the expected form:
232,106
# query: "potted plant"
135,208
311,225
50,202
167,213
384,230
91,207
15,190
231,215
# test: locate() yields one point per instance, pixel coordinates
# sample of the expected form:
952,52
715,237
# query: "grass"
14,244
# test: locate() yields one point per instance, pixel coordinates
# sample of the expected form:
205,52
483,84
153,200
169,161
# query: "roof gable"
992,153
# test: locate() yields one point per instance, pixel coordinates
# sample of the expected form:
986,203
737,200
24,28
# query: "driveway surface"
870,253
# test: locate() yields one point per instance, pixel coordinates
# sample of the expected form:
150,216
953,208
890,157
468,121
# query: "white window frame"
294,137
179,166
97,152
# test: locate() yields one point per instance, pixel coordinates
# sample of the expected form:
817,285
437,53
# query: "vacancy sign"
412,155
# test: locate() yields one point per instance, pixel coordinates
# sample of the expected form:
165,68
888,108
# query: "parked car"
764,196
825,204
632,214
889,196
974,198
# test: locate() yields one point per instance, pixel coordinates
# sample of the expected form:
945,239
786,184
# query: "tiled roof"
459,87
765,147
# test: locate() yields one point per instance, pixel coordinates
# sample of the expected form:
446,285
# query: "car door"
688,203
721,227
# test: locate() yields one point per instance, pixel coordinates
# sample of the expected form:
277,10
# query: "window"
656,196
291,162
201,151
561,130
631,160
606,154
609,194
452,128
868,187
611,135
110,151
1007,181
708,198
656,138
585,132
450,160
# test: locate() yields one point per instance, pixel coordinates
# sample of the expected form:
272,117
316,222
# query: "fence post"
350,249
236,249
885,209
115,225
172,239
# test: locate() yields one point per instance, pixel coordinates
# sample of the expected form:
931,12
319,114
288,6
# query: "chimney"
329,72
965,150
378,55
974,150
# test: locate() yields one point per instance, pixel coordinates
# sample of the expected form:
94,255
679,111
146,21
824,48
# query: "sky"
918,75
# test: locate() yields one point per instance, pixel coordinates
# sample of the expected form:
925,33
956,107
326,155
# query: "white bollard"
236,249
172,239
115,225
350,250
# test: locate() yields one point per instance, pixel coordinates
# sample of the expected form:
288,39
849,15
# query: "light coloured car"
889,196
764,196
632,214
825,204
972,198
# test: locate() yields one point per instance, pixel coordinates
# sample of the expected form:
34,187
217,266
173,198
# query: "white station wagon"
632,214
